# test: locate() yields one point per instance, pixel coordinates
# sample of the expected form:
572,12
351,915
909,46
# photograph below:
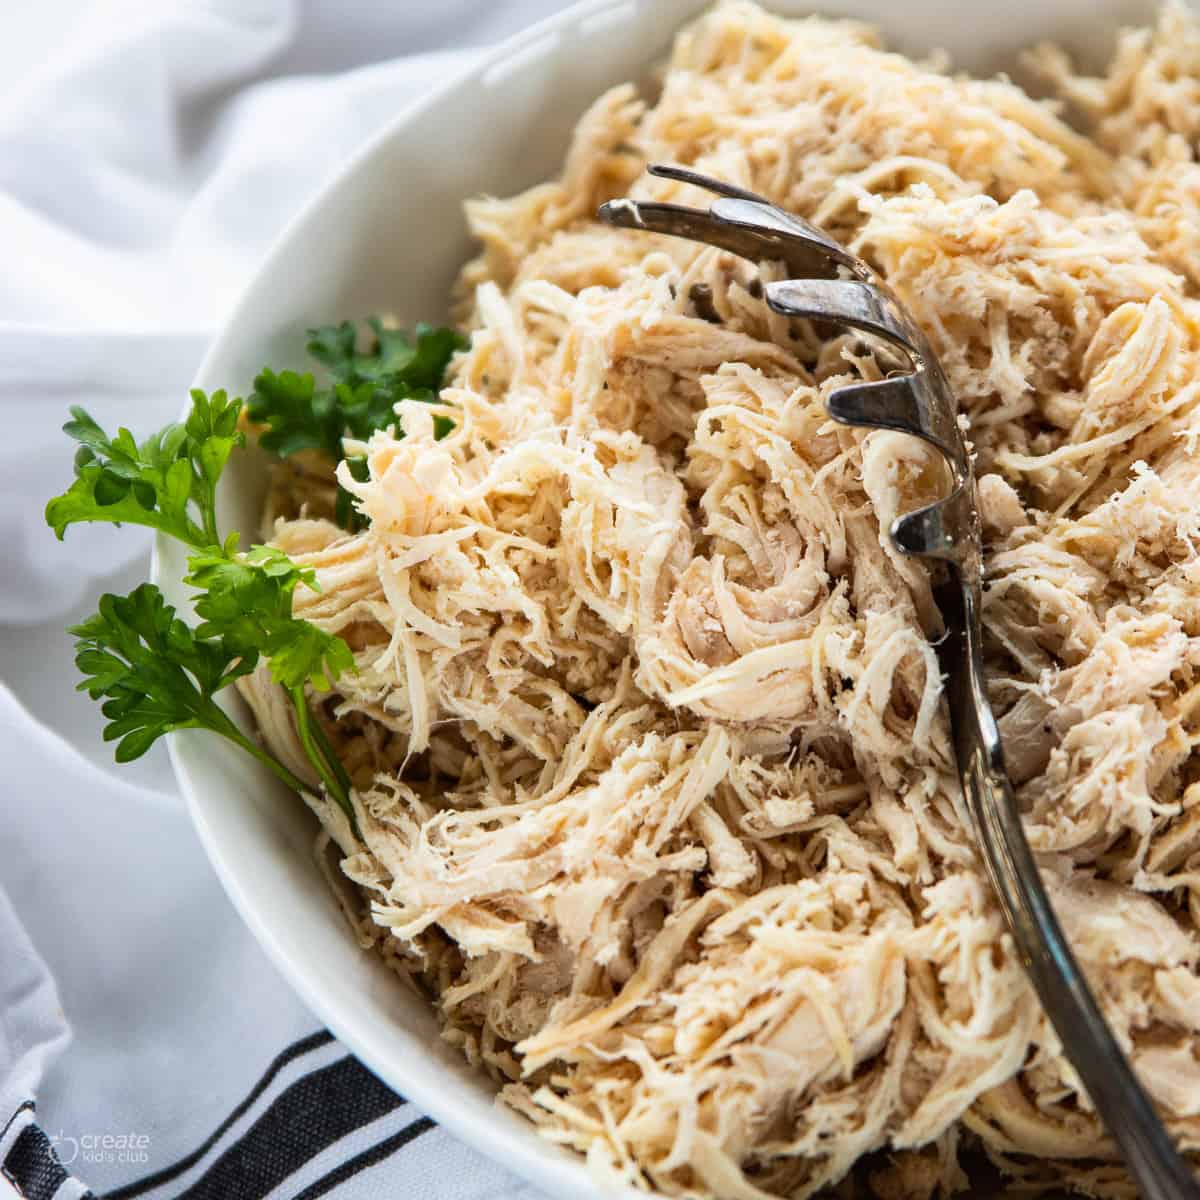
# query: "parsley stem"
330,756
206,534
268,760
212,537
304,728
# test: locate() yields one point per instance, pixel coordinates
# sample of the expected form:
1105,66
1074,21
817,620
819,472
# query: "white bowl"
388,235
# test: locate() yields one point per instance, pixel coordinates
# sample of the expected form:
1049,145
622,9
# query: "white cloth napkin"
144,169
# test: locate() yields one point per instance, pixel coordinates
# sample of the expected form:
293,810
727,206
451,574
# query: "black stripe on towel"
306,1118
312,1042
32,1167
368,1158
25,1106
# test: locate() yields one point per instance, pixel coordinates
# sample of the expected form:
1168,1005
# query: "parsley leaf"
298,415
167,482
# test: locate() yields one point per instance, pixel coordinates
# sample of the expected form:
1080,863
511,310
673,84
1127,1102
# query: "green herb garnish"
167,481
154,672
156,675
360,398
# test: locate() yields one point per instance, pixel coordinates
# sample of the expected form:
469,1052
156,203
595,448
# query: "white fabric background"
149,151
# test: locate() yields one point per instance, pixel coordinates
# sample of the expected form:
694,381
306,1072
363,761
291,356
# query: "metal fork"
830,284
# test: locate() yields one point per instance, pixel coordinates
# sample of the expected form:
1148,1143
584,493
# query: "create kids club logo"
131,1148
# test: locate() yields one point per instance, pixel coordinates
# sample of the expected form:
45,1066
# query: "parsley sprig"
152,671
168,481
360,398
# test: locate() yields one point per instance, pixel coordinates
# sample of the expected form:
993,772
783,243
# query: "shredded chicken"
654,791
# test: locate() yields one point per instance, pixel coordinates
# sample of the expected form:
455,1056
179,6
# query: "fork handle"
1158,1169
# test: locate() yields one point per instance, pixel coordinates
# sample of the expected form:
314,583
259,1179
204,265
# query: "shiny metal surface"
830,284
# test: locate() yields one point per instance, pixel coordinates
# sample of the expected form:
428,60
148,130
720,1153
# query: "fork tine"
687,175
676,220
945,529
901,403
846,301
737,221
922,533
880,404
748,228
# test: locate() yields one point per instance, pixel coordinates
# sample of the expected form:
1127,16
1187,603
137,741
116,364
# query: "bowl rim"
534,1160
